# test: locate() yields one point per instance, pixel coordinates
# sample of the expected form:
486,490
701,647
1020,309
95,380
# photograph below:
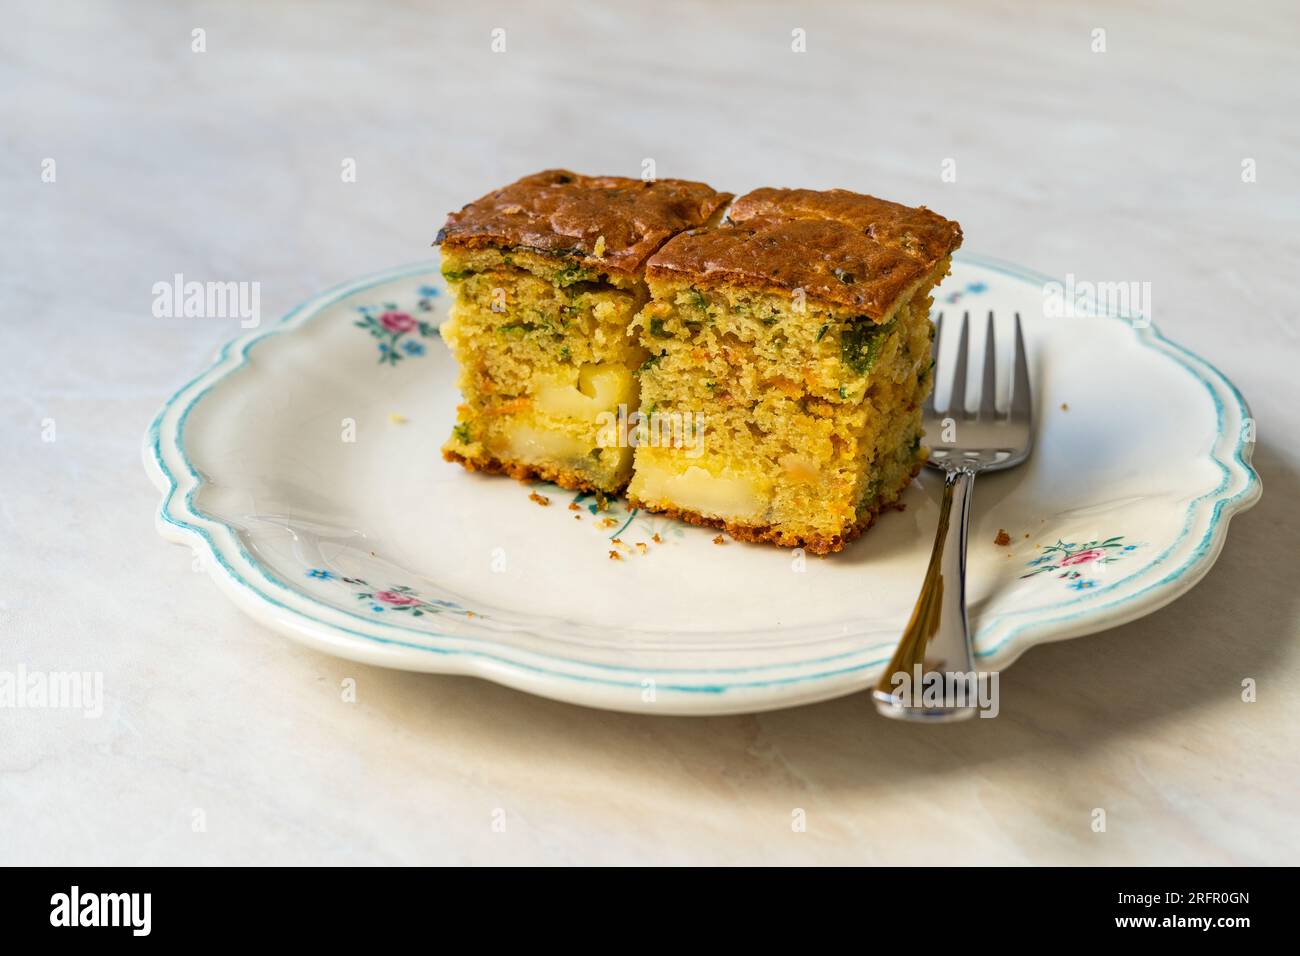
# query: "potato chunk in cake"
800,330
547,275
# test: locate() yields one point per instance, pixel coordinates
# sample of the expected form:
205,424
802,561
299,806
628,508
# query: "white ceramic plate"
327,517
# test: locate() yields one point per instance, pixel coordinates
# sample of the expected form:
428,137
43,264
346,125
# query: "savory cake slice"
547,275
800,329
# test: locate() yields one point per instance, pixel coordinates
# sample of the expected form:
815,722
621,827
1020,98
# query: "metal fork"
937,637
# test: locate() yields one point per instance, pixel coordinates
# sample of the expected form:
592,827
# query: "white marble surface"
1120,165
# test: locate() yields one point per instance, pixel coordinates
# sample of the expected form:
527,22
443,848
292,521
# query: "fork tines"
1020,402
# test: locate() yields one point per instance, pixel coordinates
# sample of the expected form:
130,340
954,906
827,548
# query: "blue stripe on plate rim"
192,520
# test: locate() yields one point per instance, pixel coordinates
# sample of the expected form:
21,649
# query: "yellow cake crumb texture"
716,395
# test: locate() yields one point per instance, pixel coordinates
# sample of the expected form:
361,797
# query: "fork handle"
936,638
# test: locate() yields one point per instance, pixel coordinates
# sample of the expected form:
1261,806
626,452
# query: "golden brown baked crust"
520,471
606,223
840,247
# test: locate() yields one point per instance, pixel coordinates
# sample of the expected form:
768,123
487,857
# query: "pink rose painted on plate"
398,332
393,597
1065,556
1082,557
397,597
398,322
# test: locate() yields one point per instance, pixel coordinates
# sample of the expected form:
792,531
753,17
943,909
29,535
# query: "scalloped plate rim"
528,671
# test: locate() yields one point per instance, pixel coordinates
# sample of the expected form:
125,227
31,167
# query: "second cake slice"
797,335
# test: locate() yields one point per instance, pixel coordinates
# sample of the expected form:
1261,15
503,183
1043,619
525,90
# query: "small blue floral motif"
972,288
594,505
1070,559
622,516
390,325
427,294
402,599
611,507
397,598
